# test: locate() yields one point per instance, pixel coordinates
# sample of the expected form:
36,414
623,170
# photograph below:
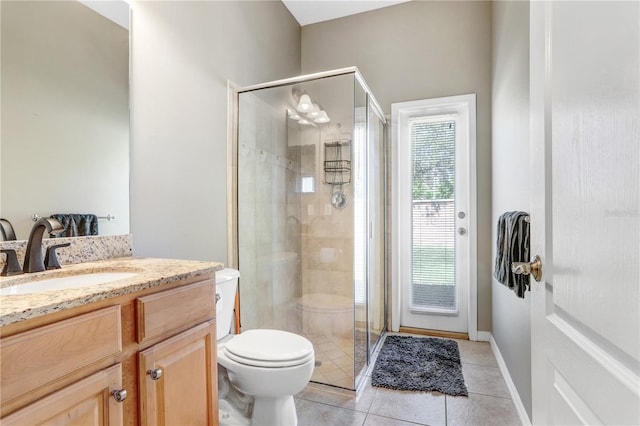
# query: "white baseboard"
484,336
515,396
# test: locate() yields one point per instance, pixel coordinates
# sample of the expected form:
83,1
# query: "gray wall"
421,50
511,180
183,53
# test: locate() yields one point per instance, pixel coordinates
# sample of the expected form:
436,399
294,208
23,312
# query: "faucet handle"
50,259
11,265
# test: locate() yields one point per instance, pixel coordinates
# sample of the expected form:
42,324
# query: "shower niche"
308,213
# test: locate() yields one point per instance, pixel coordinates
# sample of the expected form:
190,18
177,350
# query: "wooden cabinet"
34,360
87,402
178,379
162,314
178,376
62,368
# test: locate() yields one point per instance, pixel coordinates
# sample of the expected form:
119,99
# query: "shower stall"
308,215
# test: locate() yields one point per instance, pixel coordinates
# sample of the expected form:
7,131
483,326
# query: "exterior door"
434,174
585,220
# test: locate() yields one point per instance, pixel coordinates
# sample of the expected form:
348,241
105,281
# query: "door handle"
524,268
462,231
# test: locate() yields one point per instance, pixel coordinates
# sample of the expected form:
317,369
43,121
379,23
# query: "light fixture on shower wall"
306,111
314,112
305,104
293,115
322,118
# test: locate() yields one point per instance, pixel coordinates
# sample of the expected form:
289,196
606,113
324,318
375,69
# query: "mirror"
64,142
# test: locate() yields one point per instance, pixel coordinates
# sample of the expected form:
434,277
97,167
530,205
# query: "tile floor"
488,403
335,358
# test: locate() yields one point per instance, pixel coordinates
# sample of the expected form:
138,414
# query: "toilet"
269,366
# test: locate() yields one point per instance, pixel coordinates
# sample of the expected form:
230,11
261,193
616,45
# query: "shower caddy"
337,169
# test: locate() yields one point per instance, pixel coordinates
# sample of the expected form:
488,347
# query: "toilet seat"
269,348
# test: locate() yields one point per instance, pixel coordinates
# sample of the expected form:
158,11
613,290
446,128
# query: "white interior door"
585,217
434,213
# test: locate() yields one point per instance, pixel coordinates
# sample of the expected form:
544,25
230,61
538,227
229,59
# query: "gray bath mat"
419,364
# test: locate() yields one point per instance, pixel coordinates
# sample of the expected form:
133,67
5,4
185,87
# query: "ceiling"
115,10
311,11
305,11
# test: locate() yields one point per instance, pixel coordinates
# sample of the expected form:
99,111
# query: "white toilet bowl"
269,365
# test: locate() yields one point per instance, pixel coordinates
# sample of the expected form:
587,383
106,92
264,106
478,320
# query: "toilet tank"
226,285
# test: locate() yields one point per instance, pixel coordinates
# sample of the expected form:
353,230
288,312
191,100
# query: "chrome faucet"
33,261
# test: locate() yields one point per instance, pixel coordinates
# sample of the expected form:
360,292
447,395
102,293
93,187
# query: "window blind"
433,214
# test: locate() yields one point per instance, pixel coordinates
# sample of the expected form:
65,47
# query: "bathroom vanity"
137,350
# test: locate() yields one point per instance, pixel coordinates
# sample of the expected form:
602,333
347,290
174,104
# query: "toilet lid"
269,348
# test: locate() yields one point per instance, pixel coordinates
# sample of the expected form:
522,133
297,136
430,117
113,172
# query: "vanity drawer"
165,313
42,355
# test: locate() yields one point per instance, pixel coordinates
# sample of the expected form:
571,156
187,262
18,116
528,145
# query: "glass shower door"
310,219
268,207
369,220
360,233
376,305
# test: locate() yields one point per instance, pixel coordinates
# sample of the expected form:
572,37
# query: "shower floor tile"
344,361
334,360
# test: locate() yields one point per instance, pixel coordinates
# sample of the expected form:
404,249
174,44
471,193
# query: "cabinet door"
84,403
186,391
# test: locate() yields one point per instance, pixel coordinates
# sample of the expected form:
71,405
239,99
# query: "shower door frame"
376,112
233,93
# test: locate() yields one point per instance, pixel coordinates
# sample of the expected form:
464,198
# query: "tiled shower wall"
327,232
291,243
296,250
268,211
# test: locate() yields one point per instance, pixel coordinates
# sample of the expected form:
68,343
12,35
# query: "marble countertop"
151,272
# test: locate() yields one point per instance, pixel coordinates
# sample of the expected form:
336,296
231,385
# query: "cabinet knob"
155,374
119,395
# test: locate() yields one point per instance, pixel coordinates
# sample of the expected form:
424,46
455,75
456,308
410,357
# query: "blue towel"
512,246
77,225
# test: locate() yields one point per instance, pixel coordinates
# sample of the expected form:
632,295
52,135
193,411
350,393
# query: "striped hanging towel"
512,246
77,225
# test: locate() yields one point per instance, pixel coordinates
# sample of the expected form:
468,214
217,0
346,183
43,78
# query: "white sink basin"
63,283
